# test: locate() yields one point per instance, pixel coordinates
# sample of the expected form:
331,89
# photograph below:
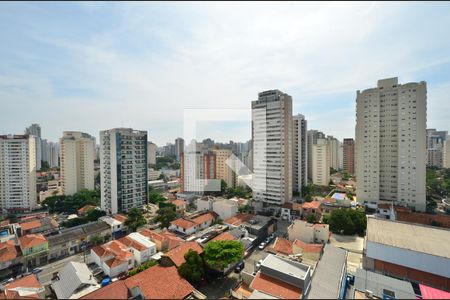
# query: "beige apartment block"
390,149
223,171
18,173
321,162
77,162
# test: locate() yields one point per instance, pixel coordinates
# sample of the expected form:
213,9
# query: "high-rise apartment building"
313,136
272,148
35,130
334,148
321,162
198,164
300,153
123,169
223,171
435,147
18,173
151,153
179,148
54,154
390,150
349,156
77,162
446,153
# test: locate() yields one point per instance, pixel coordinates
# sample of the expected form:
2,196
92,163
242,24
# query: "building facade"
35,130
77,162
272,148
123,169
391,143
321,163
179,148
18,173
349,155
300,153
312,136
198,164
151,153
223,171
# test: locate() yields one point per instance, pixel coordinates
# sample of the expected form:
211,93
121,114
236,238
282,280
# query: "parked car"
258,264
36,270
240,266
261,246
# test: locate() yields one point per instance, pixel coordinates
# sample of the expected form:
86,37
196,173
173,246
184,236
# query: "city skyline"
109,65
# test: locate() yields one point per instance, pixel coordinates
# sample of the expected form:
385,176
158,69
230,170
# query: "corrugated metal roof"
376,283
328,274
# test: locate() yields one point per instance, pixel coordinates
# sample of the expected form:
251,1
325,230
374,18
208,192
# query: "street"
46,275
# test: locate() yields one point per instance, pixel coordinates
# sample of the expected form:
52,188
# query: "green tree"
94,215
165,215
193,270
143,267
135,219
348,221
311,218
220,254
44,166
12,218
95,240
155,196
326,218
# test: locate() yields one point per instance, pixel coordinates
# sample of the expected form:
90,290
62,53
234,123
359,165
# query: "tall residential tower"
77,162
391,143
272,148
300,153
123,169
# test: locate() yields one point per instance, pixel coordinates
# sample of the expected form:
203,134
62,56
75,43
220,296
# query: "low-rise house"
329,280
141,246
176,255
70,241
114,258
296,249
281,279
156,282
164,240
10,256
191,225
43,225
330,204
225,208
291,211
313,207
117,224
180,205
34,248
308,233
74,281
184,226
256,226
27,287
85,209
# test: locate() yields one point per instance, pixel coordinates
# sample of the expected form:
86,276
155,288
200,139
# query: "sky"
94,66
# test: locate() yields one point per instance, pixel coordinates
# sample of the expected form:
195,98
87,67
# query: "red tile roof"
238,219
178,202
132,243
120,218
210,216
85,209
287,205
308,248
311,205
224,236
8,251
29,281
115,261
173,240
329,201
115,290
153,235
177,254
160,283
282,246
30,225
275,287
183,223
32,240
384,205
